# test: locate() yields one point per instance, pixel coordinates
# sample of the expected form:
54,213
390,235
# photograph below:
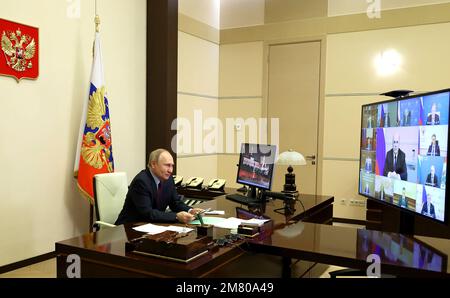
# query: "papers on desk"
231,222
155,229
255,222
215,212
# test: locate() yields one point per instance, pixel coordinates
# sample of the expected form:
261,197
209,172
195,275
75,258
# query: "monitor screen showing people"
404,145
256,164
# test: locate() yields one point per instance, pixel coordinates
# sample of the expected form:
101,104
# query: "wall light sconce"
387,62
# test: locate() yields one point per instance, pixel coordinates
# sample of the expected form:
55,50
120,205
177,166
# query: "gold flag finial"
97,23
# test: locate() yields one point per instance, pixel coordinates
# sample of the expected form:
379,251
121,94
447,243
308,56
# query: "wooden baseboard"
27,262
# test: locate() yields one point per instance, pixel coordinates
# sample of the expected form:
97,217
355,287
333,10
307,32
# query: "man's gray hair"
154,155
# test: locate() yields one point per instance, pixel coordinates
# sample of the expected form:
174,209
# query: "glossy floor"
47,269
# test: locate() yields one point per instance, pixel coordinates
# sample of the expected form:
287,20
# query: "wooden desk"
103,253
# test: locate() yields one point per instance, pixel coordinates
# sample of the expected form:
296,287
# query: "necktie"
159,195
395,162
432,152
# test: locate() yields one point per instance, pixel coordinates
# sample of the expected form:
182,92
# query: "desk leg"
286,267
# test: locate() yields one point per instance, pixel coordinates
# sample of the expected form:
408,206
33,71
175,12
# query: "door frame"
321,112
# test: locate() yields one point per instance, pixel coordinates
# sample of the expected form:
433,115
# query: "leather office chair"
110,190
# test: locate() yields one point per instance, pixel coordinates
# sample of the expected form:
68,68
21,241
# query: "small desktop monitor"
256,165
403,153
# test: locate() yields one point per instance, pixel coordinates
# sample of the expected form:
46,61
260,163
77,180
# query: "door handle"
310,157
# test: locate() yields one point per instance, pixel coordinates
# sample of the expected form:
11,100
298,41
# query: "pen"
200,218
204,211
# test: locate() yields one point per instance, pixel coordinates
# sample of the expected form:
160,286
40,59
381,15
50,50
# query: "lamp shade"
291,158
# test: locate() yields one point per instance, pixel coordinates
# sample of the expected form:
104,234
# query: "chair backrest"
110,190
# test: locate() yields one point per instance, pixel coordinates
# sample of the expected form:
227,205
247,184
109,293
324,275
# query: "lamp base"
289,182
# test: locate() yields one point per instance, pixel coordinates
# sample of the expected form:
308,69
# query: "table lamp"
290,158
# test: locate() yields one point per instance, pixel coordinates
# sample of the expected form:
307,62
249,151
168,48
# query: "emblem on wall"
19,55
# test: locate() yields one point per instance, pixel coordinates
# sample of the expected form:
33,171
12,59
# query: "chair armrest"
98,224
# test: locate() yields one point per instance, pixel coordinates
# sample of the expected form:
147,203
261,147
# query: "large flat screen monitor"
256,164
403,154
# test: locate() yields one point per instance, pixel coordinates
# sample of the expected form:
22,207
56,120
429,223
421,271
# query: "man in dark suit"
428,207
395,163
151,191
386,122
407,118
403,201
434,150
432,179
433,118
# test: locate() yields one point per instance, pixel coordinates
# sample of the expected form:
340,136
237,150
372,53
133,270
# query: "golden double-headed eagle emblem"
96,147
18,49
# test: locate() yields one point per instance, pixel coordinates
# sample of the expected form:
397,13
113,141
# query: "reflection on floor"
249,265
46,269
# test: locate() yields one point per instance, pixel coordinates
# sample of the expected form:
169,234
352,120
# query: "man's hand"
195,211
184,217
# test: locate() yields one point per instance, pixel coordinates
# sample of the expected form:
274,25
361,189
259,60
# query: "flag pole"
91,206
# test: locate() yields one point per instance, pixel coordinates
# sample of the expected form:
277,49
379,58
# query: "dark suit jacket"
400,166
140,203
437,151
436,119
425,210
434,182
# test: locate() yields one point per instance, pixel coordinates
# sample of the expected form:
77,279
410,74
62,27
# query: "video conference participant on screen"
402,201
428,207
395,163
406,118
433,117
433,149
432,179
386,121
383,196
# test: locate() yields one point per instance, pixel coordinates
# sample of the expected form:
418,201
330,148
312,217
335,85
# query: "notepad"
215,212
155,229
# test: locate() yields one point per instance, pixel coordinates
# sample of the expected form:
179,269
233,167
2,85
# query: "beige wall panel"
238,13
196,28
227,169
425,60
344,7
205,11
241,69
196,112
342,125
288,10
340,179
249,111
201,166
198,66
240,107
39,119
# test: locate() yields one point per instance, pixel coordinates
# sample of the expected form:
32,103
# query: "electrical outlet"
358,203
343,202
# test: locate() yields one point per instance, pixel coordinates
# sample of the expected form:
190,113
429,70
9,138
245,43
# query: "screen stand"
259,205
406,226
251,192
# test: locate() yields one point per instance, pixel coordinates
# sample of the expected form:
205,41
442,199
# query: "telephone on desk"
177,179
216,184
194,182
